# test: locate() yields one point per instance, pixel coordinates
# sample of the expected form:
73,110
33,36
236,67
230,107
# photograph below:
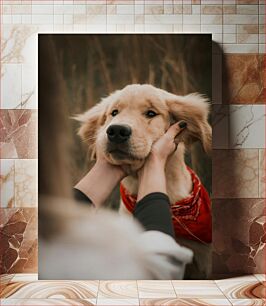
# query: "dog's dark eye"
150,114
114,112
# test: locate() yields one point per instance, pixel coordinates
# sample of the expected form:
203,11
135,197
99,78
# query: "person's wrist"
156,161
106,168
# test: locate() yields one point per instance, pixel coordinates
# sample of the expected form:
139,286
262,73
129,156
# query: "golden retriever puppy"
123,127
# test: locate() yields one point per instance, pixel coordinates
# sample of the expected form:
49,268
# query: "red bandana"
191,216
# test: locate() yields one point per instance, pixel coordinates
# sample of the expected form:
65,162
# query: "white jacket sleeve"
166,258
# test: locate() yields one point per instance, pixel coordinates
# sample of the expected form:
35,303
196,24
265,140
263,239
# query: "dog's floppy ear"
91,122
194,109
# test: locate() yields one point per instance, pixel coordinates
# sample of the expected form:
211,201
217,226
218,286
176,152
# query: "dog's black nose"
118,133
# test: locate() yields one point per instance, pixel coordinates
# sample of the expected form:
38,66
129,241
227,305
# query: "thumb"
176,128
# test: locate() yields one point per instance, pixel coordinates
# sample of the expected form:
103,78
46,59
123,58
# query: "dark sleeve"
153,212
80,196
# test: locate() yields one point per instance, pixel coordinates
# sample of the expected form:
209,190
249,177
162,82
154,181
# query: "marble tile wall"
238,30
18,183
18,240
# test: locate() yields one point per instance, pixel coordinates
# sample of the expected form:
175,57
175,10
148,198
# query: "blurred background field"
94,65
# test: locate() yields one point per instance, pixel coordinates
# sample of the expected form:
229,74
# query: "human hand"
99,182
152,174
166,144
115,171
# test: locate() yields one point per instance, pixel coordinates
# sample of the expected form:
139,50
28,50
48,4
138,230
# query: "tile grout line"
137,291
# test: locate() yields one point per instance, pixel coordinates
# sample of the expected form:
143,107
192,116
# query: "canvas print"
125,144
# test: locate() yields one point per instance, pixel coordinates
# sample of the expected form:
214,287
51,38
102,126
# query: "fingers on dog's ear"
173,129
194,110
176,128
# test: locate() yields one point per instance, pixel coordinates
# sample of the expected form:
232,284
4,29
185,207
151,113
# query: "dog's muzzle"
117,133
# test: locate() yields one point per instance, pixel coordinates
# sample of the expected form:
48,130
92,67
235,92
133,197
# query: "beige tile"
191,19
196,9
139,8
80,19
26,183
7,179
187,9
139,19
229,38
248,302
209,28
216,2
125,9
229,28
79,9
125,28
42,9
247,1
117,302
158,28
153,9
139,28
247,126
159,302
10,85
197,289
118,19
168,8
118,289
191,28
44,302
178,9
5,279
211,9
184,302
229,9
242,287
247,38
247,29
96,9
247,9
6,9
262,9
25,277
262,38
163,20
260,277
59,289
111,9
262,48
155,289
115,2
22,9
211,19
240,19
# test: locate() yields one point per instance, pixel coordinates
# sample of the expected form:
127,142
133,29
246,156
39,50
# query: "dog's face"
124,125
